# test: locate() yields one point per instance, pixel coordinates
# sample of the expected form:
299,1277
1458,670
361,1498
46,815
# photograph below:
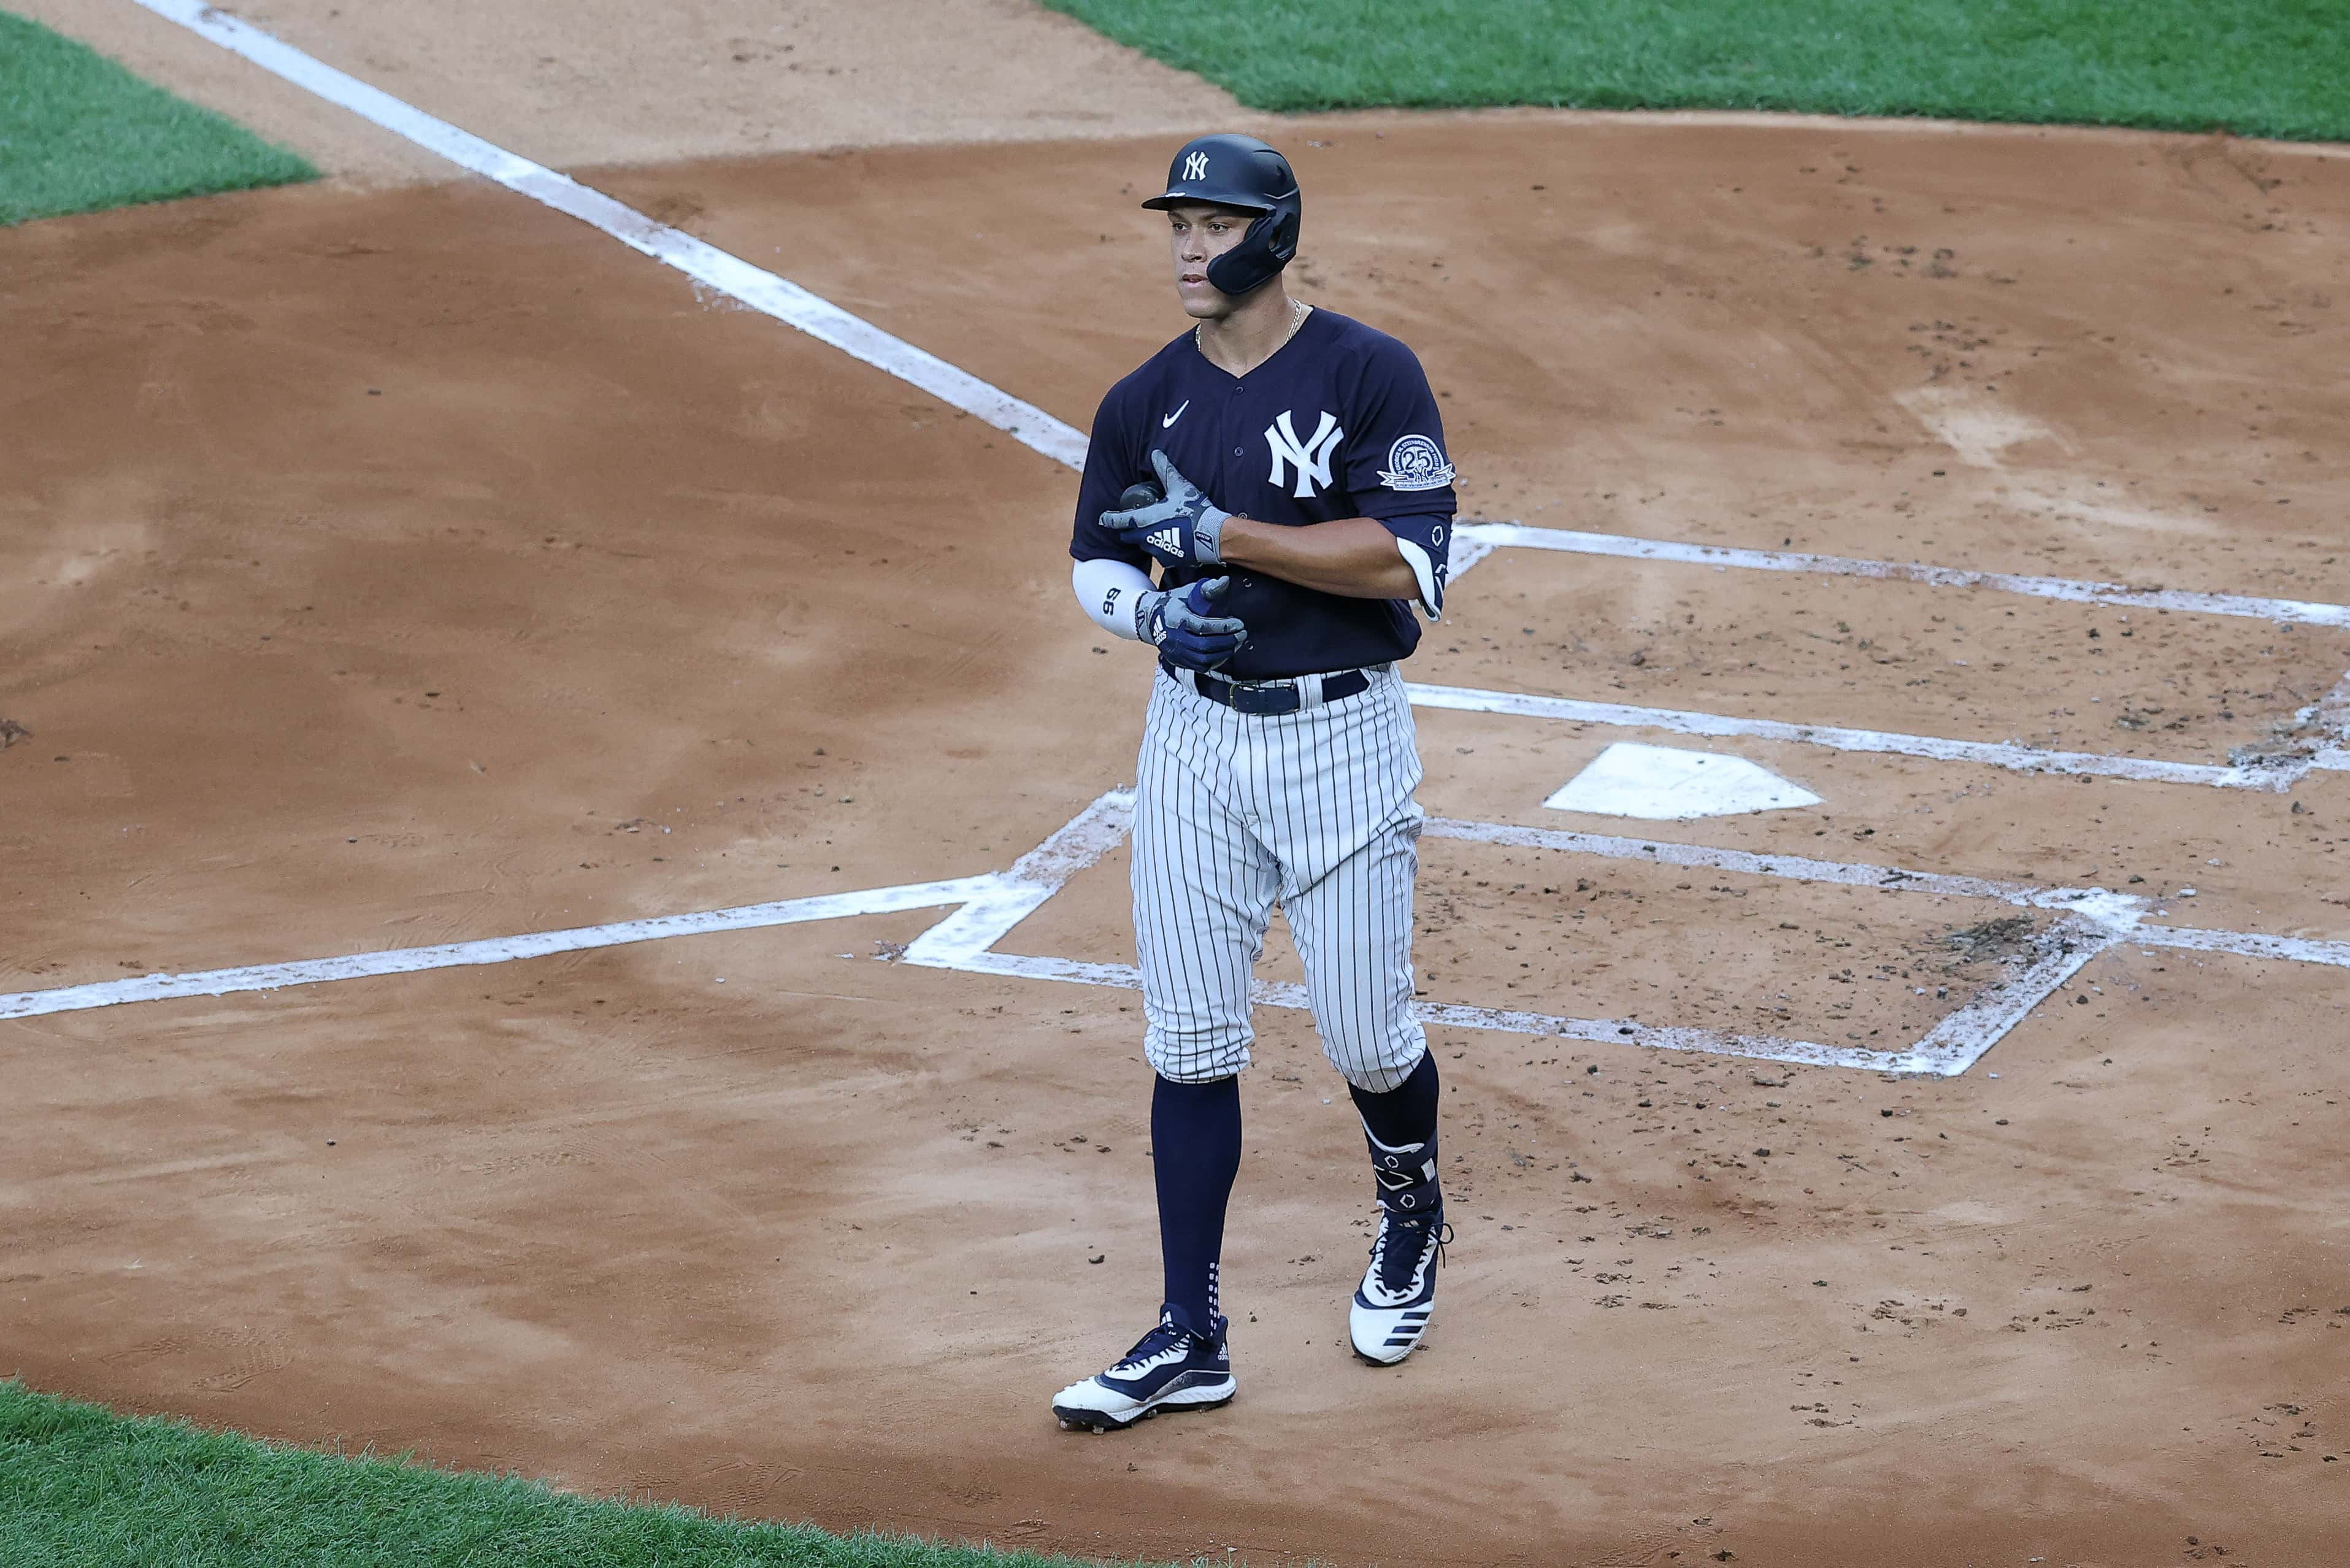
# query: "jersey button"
1239,452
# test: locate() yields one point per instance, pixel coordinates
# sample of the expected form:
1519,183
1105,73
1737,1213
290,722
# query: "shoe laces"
1402,1241
1168,1335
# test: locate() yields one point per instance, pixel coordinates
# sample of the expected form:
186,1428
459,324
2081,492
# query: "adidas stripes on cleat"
1398,1295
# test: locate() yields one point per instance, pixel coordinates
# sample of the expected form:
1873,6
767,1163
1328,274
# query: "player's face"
1199,233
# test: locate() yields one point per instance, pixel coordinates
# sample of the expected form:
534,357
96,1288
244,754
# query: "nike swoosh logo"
1168,422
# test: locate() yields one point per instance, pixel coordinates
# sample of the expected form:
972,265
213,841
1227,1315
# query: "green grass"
79,133
81,1487
2256,68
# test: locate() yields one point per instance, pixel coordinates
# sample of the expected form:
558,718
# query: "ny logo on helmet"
1195,166
1310,459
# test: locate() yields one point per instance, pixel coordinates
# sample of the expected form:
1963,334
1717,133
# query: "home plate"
1662,783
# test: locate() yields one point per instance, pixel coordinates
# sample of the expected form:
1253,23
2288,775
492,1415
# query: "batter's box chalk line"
987,907
2329,747
161,987
2088,921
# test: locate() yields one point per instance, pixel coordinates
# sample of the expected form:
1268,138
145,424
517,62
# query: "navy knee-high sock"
1195,1146
1402,1125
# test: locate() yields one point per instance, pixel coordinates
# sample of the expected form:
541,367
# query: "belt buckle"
1267,697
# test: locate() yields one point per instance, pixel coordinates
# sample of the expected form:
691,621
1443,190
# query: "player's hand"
1182,529
1177,624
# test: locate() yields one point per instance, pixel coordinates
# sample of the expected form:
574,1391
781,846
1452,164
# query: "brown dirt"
429,521
607,82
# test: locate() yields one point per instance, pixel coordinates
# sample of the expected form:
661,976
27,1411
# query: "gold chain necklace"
1297,311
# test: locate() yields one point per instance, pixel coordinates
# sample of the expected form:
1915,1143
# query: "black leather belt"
1265,696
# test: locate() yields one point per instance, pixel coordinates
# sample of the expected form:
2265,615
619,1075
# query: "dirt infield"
607,82
418,566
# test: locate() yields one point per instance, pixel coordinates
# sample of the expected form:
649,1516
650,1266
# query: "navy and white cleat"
1399,1291
1169,1368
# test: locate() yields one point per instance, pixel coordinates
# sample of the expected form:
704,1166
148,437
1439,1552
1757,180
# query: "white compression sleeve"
1108,589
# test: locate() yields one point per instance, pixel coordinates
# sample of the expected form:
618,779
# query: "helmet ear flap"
1270,245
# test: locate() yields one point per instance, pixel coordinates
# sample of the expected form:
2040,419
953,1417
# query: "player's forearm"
1354,557
1109,591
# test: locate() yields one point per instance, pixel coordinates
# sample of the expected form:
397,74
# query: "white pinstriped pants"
1234,811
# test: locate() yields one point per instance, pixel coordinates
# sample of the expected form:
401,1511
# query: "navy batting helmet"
1239,172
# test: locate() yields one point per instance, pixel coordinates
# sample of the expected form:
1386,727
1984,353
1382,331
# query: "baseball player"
1283,468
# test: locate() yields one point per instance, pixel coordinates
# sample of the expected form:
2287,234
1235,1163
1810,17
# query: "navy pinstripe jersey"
1339,422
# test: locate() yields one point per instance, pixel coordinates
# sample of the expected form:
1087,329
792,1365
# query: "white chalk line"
1994,754
965,941
2090,920
493,950
1487,536
2330,716
1452,1015
1473,542
2244,944
1961,1039
1007,900
989,907
754,286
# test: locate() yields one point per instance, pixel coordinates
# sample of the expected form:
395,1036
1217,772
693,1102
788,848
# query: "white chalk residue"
1973,424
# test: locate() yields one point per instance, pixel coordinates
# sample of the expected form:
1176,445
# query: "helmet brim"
1181,197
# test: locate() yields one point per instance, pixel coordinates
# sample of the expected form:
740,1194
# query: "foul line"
730,274
1485,537
1998,754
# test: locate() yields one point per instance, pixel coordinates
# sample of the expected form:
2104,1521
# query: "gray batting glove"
1185,529
1176,622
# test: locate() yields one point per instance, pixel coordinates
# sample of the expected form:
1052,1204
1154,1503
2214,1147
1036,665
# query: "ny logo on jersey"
1195,166
1310,459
